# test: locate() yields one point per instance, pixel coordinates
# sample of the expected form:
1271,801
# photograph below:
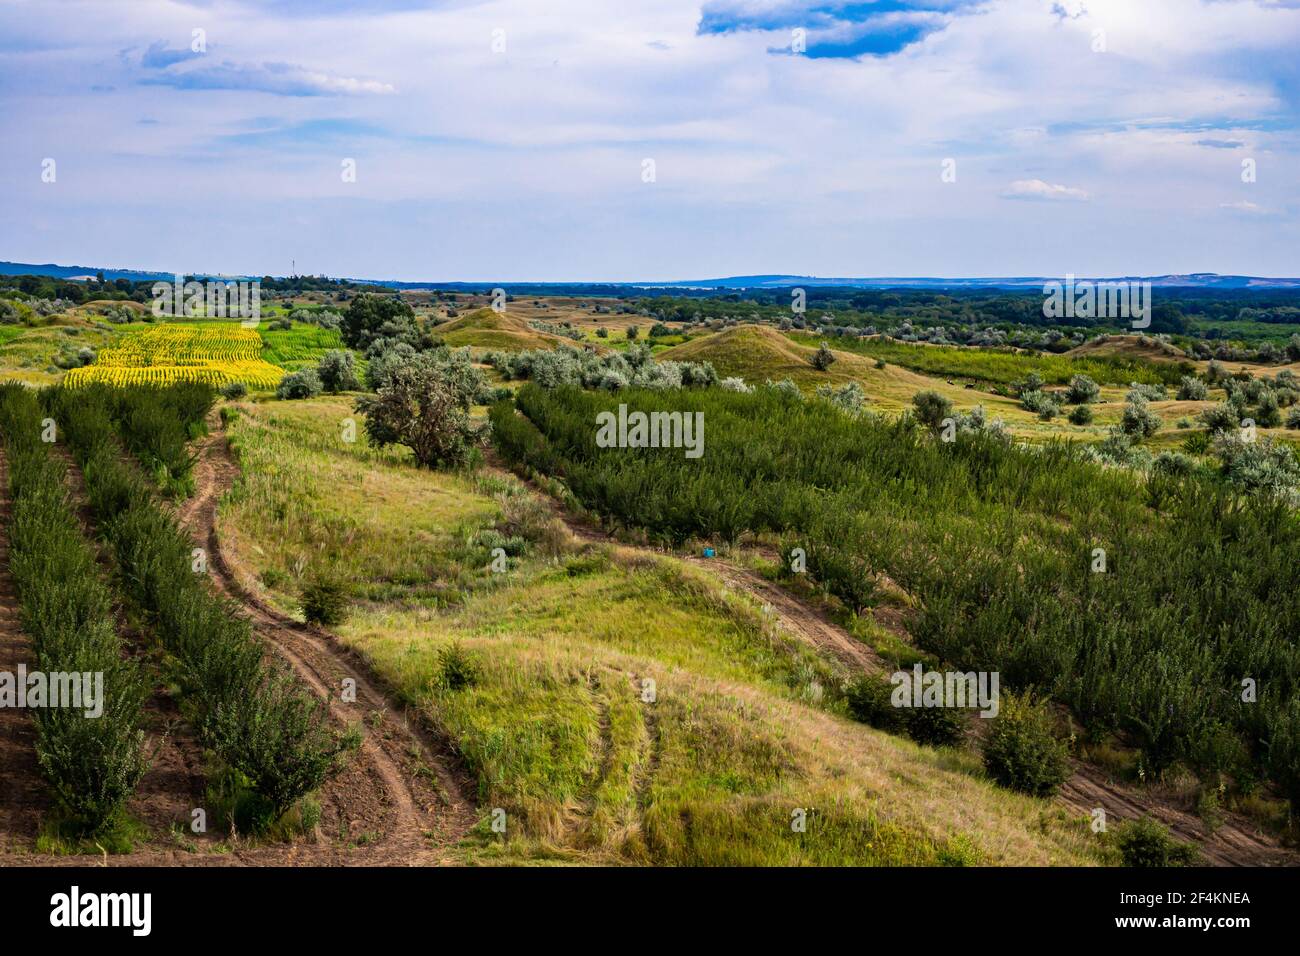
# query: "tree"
823,358
337,371
372,316
425,406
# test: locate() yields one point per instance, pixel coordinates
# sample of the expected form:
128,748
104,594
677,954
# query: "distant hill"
486,329
1195,280
1128,346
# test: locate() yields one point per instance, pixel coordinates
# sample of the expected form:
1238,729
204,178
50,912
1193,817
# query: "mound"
485,329
757,353
1128,346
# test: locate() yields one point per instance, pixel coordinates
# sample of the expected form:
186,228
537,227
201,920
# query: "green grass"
743,729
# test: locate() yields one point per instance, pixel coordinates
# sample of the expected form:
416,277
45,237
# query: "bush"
868,700
1223,417
457,668
337,371
1146,843
1293,418
1138,420
823,358
1040,403
234,390
1081,415
931,409
935,726
301,384
324,602
1082,390
1192,389
1022,751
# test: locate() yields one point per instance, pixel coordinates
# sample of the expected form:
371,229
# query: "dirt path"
411,773
1237,842
400,801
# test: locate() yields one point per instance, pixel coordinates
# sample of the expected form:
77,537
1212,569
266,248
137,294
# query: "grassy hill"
553,721
485,329
1130,347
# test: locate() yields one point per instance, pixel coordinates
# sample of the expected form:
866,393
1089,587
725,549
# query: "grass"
742,729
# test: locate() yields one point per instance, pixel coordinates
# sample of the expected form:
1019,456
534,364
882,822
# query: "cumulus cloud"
527,163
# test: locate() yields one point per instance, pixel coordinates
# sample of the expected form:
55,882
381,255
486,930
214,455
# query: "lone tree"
823,358
425,406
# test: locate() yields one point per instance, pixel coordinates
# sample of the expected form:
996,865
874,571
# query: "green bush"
305,383
1081,415
931,409
868,701
1022,751
935,726
457,668
234,390
1146,843
1082,390
324,602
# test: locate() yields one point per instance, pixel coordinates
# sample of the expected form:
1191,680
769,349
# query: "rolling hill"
485,329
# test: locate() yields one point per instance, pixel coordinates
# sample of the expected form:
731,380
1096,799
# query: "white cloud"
1037,189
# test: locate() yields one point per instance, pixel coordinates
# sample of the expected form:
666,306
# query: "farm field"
212,354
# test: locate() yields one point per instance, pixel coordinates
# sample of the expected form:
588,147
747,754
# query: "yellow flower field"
177,353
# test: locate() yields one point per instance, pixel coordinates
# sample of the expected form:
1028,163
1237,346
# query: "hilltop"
486,329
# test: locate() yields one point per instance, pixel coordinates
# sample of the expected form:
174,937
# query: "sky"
642,140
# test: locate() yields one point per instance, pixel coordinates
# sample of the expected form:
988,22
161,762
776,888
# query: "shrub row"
250,712
92,763
1197,593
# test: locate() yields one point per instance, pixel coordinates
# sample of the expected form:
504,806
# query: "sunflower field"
168,354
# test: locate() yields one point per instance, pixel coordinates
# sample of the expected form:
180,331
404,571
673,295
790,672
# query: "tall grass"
248,710
93,763
1199,592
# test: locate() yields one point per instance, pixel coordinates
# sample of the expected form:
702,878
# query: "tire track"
422,785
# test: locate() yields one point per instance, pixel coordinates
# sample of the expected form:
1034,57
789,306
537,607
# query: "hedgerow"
249,711
92,763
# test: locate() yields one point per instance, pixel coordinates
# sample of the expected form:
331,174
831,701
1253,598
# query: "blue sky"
1087,137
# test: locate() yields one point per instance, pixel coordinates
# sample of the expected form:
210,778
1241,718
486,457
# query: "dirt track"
400,801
